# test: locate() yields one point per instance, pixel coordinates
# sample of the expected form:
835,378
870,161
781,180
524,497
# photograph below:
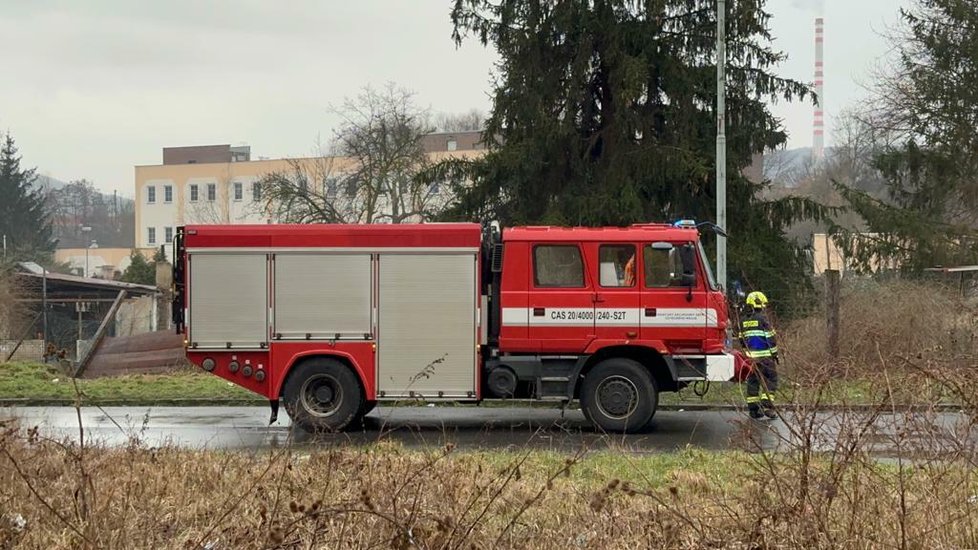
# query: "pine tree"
926,112
604,114
24,218
140,271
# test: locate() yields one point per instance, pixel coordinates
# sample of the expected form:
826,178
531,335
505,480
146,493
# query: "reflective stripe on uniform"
753,399
758,354
767,397
748,333
749,324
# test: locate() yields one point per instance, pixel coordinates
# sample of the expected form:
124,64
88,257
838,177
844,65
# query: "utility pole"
44,305
721,159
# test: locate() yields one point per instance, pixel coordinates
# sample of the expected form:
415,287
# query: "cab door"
617,299
673,303
561,299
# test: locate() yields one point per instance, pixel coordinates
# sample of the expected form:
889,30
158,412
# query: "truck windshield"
706,265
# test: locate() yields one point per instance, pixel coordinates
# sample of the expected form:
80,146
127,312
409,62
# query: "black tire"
619,395
323,395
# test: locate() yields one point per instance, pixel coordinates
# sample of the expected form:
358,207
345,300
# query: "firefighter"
758,338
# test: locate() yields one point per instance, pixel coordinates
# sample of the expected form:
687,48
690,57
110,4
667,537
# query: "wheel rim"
321,395
617,397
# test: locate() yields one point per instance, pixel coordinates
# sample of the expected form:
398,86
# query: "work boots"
758,412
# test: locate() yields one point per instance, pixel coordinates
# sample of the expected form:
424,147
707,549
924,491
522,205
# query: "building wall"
135,316
100,260
29,350
827,255
224,209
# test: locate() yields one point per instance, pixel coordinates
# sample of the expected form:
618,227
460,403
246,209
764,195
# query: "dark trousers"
761,384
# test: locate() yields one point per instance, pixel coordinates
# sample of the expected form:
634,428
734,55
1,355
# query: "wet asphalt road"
472,428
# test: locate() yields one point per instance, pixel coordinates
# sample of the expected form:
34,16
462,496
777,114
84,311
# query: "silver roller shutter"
322,295
427,317
228,300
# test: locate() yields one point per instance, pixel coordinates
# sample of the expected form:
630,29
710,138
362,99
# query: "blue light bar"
684,223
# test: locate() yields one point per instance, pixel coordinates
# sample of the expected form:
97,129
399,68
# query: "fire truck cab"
332,319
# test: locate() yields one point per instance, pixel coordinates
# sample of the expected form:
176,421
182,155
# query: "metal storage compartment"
427,325
322,295
228,300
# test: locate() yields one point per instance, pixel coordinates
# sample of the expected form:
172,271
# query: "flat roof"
467,235
72,283
634,233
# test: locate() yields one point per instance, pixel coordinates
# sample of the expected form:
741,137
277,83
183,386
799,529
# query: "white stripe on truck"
611,317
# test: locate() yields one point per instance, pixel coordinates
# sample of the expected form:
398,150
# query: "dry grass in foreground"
64,495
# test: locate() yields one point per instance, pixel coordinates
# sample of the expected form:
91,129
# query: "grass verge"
39,382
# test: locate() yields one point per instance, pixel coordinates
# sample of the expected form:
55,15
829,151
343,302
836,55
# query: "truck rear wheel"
619,395
323,395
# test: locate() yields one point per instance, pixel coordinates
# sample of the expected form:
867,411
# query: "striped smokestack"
818,142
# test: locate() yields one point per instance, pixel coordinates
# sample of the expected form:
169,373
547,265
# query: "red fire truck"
332,319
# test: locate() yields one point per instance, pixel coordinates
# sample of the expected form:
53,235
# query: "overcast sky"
92,88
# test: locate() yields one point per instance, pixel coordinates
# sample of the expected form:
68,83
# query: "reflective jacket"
758,337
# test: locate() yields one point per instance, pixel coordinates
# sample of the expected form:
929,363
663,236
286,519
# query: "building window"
238,191
211,192
558,266
194,192
617,265
256,191
151,194
151,235
452,144
168,234
331,188
167,193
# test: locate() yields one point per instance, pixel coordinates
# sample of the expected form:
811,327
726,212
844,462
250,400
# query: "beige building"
219,184
827,255
97,262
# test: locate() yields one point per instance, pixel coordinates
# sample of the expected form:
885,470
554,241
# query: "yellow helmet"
757,300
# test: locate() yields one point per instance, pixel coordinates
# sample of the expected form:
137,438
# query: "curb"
947,407
28,402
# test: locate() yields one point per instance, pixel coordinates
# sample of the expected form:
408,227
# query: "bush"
888,321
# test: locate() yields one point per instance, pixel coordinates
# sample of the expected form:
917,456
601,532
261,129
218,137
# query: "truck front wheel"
619,395
323,395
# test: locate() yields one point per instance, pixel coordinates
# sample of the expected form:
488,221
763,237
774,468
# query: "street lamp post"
89,247
86,229
721,160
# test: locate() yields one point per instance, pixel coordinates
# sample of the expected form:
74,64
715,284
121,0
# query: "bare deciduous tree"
371,172
469,121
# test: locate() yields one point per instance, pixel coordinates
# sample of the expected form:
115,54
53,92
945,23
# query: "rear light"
233,366
208,364
246,371
260,376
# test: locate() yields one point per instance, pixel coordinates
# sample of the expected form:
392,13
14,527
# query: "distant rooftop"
470,140
201,154
453,141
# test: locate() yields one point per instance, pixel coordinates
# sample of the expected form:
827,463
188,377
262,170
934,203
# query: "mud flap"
274,405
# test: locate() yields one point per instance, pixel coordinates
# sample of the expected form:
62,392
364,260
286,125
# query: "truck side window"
663,268
616,265
558,266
